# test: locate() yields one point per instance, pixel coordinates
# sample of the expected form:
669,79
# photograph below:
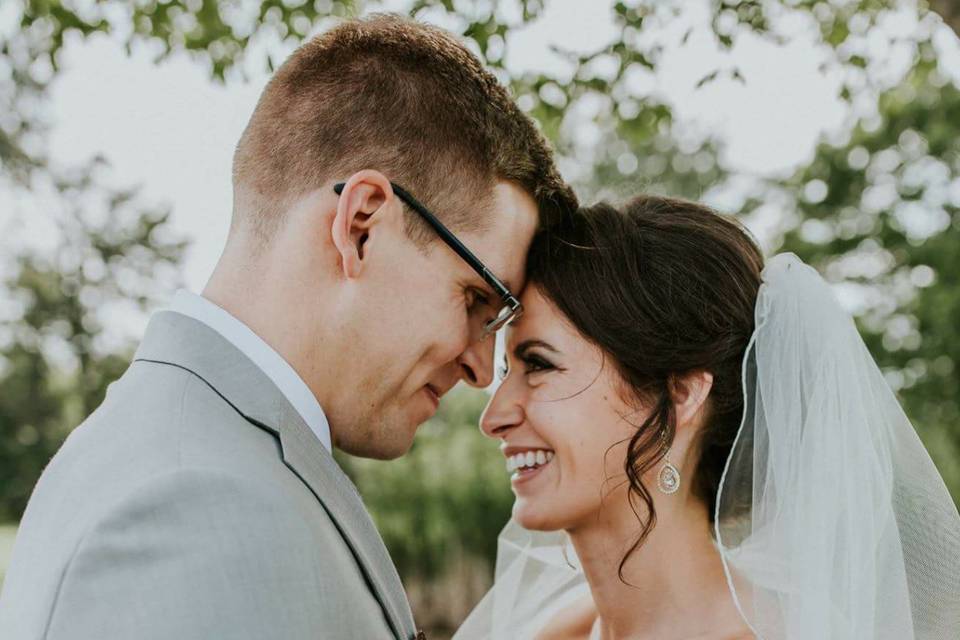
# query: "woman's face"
561,420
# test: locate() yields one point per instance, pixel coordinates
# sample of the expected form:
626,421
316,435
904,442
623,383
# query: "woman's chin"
534,517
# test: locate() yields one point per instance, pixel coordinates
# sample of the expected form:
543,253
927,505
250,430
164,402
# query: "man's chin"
383,453
378,448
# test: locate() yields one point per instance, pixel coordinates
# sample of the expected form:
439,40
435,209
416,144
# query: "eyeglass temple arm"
448,237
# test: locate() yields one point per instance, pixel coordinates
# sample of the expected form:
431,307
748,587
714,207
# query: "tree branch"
949,10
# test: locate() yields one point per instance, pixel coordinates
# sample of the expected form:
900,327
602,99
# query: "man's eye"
476,297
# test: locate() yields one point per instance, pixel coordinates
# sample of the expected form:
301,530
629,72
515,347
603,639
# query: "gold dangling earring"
668,480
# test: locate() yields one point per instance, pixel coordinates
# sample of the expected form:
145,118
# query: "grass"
7,532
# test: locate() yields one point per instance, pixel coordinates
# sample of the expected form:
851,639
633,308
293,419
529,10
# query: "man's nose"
476,362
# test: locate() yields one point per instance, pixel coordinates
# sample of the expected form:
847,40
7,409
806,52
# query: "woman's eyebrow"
530,344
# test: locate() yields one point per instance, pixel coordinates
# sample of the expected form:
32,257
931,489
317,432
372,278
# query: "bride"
702,447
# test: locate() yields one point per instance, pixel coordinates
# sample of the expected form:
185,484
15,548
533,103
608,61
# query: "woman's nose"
504,413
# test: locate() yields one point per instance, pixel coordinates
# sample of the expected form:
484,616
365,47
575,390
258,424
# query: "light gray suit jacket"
196,503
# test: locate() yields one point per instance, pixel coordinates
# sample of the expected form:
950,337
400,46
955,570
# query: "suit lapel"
178,340
342,501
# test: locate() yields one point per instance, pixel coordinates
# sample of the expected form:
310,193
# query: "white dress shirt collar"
269,361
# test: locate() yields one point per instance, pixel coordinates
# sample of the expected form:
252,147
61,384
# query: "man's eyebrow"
530,344
489,289
506,283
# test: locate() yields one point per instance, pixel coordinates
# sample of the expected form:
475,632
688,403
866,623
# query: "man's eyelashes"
476,298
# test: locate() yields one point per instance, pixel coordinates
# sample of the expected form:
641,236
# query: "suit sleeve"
198,554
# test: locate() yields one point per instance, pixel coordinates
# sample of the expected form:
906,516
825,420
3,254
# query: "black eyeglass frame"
512,308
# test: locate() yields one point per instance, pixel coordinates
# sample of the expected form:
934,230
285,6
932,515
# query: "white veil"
537,575
831,519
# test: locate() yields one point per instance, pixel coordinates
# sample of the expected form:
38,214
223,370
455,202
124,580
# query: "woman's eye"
533,364
502,372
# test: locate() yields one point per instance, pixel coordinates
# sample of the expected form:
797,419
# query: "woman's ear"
362,201
690,392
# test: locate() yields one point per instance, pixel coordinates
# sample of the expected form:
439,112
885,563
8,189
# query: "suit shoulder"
207,545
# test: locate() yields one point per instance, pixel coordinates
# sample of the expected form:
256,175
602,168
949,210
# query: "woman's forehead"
541,320
535,317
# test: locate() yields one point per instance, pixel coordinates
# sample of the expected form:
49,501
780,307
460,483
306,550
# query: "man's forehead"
512,201
533,309
503,243
514,218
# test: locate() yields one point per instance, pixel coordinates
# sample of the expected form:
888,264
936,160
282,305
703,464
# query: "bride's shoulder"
574,622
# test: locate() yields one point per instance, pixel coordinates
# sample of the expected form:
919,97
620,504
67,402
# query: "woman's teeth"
528,460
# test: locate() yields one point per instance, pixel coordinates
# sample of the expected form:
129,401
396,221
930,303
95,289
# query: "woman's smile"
525,464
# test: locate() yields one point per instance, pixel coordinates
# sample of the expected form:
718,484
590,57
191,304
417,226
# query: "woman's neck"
673,585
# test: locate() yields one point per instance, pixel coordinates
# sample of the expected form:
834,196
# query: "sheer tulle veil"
831,520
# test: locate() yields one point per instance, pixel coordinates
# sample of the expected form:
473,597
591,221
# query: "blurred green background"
876,209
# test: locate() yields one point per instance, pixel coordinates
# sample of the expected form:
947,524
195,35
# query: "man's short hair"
405,98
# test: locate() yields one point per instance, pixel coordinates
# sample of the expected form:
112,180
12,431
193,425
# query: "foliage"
6,547
101,255
111,257
881,214
452,485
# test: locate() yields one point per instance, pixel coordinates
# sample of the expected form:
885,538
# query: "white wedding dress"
830,515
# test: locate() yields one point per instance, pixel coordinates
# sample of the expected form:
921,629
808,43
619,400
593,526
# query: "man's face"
424,316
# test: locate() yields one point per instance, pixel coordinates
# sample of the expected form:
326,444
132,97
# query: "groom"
201,500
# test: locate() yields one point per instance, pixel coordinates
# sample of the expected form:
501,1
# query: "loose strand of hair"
655,434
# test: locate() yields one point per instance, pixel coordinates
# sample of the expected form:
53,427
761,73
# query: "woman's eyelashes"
532,363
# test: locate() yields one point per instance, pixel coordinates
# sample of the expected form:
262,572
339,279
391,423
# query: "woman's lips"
524,465
525,475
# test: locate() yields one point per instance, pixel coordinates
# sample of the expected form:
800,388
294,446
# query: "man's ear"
690,392
360,207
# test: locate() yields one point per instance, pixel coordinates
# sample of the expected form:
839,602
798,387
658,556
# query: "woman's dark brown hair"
663,287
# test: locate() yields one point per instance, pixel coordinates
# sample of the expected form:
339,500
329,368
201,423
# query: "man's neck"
272,305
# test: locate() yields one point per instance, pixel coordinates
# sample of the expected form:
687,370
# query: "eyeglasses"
511,310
